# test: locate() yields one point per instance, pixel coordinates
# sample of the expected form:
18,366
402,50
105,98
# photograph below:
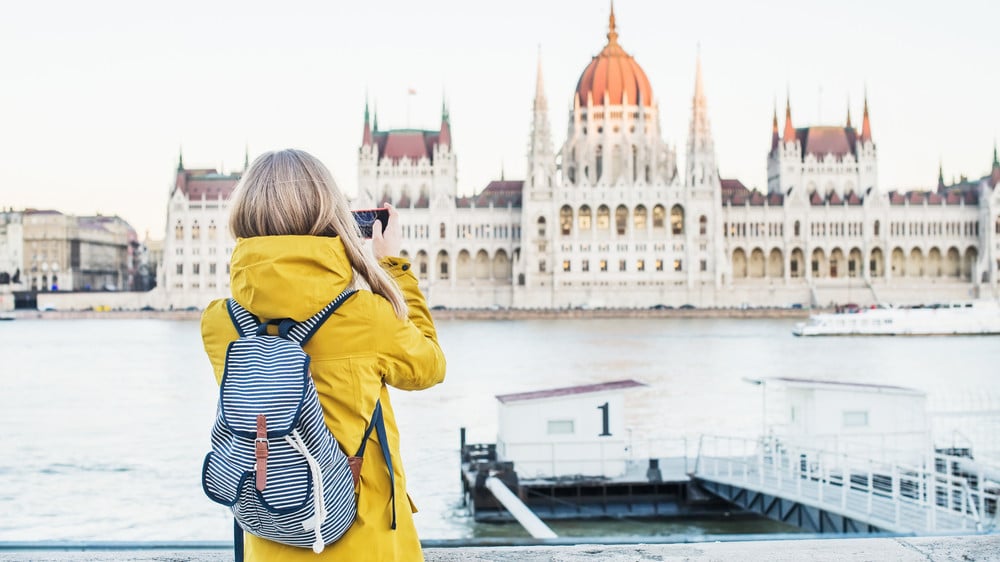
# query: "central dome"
616,73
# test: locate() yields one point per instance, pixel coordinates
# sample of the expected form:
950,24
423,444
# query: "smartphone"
366,220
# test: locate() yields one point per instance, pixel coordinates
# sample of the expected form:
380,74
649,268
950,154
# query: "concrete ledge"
961,548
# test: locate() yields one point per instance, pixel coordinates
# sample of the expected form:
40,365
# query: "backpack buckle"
261,445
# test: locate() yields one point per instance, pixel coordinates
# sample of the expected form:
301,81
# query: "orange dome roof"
614,72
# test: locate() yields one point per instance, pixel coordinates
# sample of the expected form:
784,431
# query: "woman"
297,248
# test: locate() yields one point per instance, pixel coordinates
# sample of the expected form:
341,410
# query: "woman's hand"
388,244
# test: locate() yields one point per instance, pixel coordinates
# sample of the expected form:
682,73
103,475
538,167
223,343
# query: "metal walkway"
828,491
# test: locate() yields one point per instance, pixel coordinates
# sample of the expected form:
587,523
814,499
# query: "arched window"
444,231
541,226
703,225
877,225
677,219
195,231
211,230
600,163
621,219
639,217
179,230
659,216
565,220
798,228
603,217
584,218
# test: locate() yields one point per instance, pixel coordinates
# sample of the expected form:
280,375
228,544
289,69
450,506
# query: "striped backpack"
274,462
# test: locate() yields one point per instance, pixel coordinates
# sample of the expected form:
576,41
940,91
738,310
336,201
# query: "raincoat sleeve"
409,355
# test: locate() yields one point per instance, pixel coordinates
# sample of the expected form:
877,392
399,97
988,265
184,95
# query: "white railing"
894,496
605,458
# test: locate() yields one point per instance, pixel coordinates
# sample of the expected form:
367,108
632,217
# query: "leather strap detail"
260,452
355,464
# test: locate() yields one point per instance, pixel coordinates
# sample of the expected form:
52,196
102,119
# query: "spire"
540,101
940,176
375,119
996,162
774,128
848,113
701,148
789,135
366,136
445,134
612,32
180,158
699,87
246,156
866,127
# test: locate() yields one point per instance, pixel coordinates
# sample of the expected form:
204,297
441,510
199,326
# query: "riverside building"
614,219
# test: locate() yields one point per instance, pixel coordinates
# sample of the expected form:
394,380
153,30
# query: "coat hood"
288,276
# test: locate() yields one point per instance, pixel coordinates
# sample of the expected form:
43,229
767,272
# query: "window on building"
584,218
180,269
659,216
703,225
541,226
678,266
621,219
797,228
603,217
541,266
444,231
211,230
585,265
815,267
444,270
639,218
196,268
856,418
566,266
211,269
604,265
565,220
179,231
677,219
195,231
622,265
640,265
659,265
704,265
560,427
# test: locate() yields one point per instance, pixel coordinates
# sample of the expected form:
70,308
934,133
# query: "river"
107,421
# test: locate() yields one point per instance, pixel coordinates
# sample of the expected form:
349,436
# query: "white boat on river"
980,317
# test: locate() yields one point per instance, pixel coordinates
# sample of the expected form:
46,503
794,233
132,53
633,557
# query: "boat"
981,317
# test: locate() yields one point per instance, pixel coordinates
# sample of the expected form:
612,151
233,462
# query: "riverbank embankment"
904,549
458,313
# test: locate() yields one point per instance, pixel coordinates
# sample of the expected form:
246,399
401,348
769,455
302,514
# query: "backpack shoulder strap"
301,333
246,323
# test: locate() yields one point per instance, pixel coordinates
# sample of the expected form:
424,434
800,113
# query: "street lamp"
762,383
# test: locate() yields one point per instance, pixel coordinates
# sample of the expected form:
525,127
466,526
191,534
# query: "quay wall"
903,549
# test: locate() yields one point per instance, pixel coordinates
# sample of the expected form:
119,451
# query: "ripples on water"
111,418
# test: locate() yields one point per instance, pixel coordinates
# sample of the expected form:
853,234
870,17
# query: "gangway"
829,491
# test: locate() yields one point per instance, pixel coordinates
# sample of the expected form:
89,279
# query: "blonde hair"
290,192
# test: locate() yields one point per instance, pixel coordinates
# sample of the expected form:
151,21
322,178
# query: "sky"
97,98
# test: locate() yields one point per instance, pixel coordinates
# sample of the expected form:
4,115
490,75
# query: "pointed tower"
940,184
541,156
444,137
848,114
789,134
701,167
246,157
366,135
866,126
180,159
775,139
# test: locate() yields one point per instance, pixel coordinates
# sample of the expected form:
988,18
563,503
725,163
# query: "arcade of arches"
840,262
464,266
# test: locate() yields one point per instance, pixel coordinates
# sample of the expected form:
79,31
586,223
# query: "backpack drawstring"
295,440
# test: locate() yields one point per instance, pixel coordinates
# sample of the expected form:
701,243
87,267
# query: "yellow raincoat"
358,351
